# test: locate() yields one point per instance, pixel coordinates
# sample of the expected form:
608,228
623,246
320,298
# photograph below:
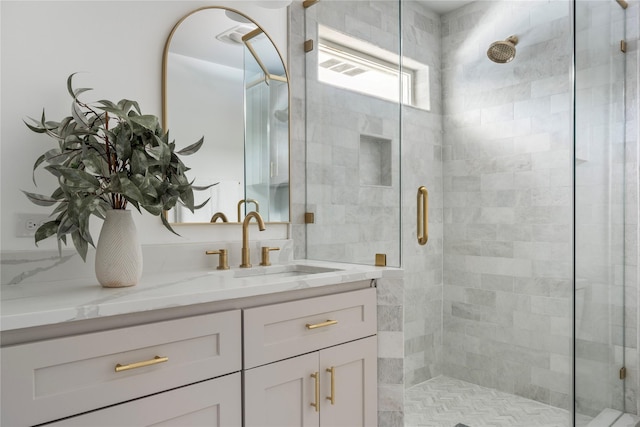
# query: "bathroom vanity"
281,345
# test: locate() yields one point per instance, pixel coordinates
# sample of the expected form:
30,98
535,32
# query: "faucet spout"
246,260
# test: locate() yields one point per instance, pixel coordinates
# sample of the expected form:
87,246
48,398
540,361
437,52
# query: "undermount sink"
279,271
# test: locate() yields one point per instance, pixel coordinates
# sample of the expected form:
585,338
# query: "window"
353,64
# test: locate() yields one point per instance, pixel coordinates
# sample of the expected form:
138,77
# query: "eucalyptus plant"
108,155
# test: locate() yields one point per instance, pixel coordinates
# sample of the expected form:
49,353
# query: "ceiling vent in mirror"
234,35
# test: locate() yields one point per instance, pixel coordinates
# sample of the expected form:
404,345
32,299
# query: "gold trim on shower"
423,215
622,3
267,75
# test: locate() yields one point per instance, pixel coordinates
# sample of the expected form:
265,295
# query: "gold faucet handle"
265,255
223,260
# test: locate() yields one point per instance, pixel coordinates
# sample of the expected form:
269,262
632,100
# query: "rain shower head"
503,51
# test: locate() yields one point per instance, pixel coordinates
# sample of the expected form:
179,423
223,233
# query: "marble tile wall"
507,155
390,349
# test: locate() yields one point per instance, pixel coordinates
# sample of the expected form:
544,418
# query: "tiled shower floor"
446,402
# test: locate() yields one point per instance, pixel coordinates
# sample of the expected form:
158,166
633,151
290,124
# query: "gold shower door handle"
316,377
423,215
332,398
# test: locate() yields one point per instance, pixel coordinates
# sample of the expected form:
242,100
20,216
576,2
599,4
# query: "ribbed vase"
118,253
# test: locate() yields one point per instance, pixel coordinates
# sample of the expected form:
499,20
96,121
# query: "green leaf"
66,226
107,103
127,105
47,229
80,244
167,225
123,146
79,115
193,148
147,121
187,199
160,153
38,162
202,204
155,209
36,129
56,156
76,178
204,187
39,199
144,184
138,162
117,112
95,164
127,188
70,84
77,92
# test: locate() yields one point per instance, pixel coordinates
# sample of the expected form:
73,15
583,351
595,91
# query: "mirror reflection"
224,79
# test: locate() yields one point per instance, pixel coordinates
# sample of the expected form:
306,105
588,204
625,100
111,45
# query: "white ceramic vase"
118,253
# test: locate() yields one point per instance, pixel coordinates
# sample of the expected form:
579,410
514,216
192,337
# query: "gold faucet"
246,262
246,202
219,215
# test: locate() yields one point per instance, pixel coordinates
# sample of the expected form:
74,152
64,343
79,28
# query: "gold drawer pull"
332,398
154,361
316,378
322,324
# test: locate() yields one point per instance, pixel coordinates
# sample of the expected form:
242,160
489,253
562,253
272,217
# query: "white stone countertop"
42,303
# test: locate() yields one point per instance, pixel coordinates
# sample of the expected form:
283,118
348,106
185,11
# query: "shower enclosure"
523,287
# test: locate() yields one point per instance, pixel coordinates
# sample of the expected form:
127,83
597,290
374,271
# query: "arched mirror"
224,79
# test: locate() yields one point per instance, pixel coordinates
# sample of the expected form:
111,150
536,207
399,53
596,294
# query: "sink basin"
280,271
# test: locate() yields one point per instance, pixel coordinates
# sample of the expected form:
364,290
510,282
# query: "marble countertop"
42,303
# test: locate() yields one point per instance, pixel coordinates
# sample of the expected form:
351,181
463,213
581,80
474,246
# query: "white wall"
118,48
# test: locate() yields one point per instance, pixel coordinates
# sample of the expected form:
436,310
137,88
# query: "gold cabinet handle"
154,361
316,377
423,215
321,325
332,398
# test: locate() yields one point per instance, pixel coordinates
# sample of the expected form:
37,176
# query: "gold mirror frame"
245,39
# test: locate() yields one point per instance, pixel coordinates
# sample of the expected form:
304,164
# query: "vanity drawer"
211,403
48,380
278,331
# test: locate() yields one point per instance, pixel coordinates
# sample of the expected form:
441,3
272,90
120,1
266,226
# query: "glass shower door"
353,131
599,213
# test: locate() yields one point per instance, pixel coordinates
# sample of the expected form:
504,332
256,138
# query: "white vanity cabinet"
312,362
242,361
49,380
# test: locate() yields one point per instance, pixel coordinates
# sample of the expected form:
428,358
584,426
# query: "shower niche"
375,161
